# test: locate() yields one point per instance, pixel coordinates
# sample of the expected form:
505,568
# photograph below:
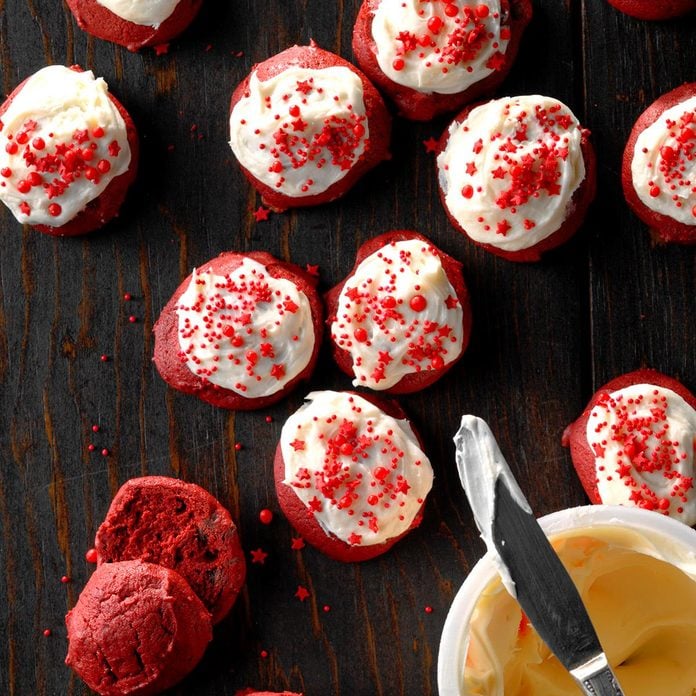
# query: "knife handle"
596,678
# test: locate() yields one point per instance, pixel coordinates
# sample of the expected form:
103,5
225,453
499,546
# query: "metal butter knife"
529,567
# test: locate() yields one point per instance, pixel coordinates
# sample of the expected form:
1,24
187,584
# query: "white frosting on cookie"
62,141
149,13
360,472
643,438
247,331
510,169
301,131
398,314
433,46
663,167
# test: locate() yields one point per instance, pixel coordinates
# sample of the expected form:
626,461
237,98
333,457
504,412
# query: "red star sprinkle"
297,543
302,593
430,144
451,302
258,556
312,269
278,371
261,213
161,49
354,539
297,445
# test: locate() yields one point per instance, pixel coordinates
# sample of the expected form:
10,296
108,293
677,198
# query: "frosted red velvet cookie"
68,152
134,24
137,629
654,9
659,166
181,526
350,474
241,331
434,56
634,444
401,318
516,175
305,125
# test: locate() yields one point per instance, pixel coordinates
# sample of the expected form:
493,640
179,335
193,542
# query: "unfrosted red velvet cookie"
402,318
305,125
68,152
658,172
181,526
241,331
137,629
134,25
350,474
431,57
634,444
517,175
654,9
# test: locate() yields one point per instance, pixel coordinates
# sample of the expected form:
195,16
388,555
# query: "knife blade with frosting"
529,567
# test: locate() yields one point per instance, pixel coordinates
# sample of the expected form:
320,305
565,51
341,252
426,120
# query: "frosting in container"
642,605
510,168
643,439
247,331
62,141
360,472
398,314
663,167
150,13
442,47
302,130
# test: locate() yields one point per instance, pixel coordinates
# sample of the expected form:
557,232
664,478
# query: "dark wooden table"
545,336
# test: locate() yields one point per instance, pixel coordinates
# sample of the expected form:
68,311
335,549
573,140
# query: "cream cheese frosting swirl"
437,46
245,331
62,141
509,170
663,167
643,439
301,131
358,471
150,13
398,314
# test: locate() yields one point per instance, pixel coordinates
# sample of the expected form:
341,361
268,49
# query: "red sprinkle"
269,419
54,210
428,609
398,64
91,556
65,579
47,632
132,319
95,428
418,303
238,446
91,447
127,296
105,452
266,516
104,358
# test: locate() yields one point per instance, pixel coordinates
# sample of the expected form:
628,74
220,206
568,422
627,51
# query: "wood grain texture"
544,337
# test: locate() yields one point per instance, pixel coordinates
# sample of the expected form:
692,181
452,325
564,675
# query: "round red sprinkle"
91,447
11,148
104,358
654,191
418,303
98,132
127,296
91,556
428,609
47,632
103,166
451,10
482,11
95,428
24,187
238,446
435,24
54,210
360,335
467,191
132,319
105,452
266,516
264,654
398,64
65,579
437,362
6,172
269,419
326,608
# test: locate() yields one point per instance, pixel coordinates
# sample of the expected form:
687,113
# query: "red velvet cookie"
350,474
137,629
134,25
251,692
181,526
433,57
305,125
241,331
517,175
634,444
68,152
658,172
654,9
401,319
